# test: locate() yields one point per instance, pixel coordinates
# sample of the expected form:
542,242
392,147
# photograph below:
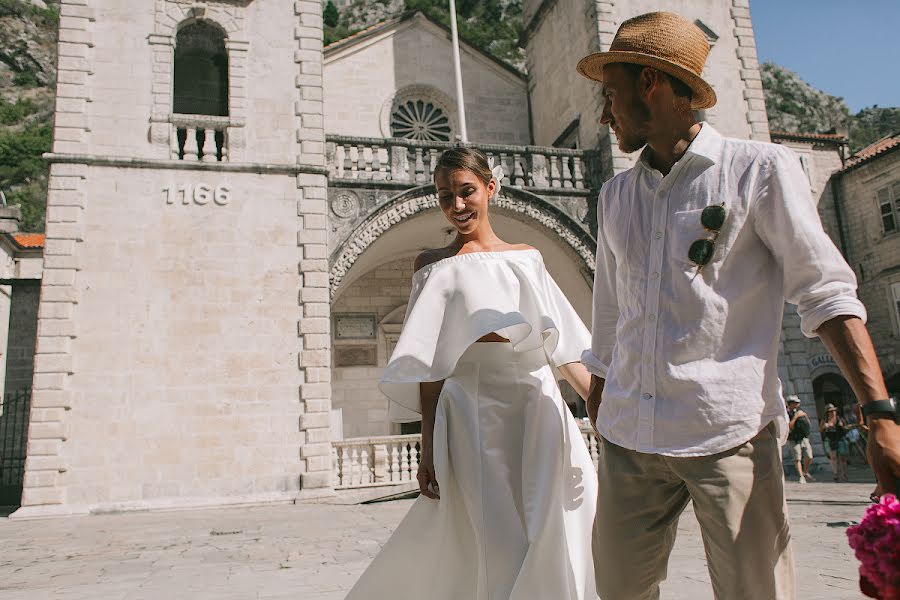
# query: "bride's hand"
428,483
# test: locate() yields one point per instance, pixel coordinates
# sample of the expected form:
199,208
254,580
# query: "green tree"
330,16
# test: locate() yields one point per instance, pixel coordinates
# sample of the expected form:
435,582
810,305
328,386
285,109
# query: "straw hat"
830,407
661,40
793,399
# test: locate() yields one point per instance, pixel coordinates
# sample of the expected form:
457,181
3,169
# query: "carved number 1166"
202,193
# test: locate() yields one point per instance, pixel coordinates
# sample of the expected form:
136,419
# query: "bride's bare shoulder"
431,256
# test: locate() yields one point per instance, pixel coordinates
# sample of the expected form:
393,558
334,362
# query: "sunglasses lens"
713,217
700,252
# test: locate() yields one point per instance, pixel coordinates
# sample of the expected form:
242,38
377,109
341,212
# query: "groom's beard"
633,136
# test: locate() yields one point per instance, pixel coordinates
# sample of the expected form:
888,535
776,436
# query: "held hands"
593,400
426,477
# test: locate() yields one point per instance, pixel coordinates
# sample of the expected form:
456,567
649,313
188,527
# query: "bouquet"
876,542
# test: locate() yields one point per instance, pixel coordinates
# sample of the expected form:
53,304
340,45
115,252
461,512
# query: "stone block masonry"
312,237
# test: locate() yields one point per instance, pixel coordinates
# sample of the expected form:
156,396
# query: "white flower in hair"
497,174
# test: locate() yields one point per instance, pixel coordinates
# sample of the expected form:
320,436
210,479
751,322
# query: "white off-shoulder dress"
517,485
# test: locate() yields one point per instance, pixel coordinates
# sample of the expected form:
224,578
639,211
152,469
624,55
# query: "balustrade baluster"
360,161
539,171
420,166
348,163
518,170
554,171
191,151
404,463
175,143
336,464
566,171
354,466
395,462
578,173
376,169
365,470
413,459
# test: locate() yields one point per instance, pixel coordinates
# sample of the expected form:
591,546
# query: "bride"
508,487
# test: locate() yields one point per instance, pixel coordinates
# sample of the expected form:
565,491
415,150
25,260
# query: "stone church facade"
233,215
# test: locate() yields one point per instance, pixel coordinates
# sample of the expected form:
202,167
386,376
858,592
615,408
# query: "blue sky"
845,48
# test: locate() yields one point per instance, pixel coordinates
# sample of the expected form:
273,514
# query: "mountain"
492,25
795,106
27,86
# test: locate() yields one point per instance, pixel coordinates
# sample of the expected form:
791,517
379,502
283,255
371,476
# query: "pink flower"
876,543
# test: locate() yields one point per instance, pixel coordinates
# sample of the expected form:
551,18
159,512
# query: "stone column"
312,238
746,52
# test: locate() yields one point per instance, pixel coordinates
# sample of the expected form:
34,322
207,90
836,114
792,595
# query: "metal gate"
14,412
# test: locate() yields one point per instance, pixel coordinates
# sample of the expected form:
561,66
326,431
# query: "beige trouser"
739,501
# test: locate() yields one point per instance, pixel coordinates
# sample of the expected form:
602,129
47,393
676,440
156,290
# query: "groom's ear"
648,81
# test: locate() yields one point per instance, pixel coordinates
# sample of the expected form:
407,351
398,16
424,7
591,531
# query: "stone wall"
562,31
414,59
874,256
820,161
183,344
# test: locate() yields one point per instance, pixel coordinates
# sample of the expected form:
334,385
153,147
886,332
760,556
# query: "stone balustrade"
412,162
391,460
199,138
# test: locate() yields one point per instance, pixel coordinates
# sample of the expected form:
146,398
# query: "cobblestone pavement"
316,551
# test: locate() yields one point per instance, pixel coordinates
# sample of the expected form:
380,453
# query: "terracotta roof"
29,240
836,138
885,144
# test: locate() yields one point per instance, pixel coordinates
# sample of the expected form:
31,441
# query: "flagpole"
460,103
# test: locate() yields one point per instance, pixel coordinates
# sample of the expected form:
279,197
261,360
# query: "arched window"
420,120
201,71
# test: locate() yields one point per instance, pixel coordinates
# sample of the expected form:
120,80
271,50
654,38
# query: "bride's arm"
429,392
578,377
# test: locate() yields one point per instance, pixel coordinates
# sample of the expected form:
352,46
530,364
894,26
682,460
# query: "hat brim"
591,66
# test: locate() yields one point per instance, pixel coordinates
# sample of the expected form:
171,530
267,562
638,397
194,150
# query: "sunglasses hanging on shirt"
701,251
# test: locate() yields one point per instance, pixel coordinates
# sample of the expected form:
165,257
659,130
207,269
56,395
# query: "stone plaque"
355,356
354,327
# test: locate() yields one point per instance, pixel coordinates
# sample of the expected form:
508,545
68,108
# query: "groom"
698,247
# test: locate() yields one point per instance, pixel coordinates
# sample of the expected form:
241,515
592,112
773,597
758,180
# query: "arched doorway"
832,388
371,281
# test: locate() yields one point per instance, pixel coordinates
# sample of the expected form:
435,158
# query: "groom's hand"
593,400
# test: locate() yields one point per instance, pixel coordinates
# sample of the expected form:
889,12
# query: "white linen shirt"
690,360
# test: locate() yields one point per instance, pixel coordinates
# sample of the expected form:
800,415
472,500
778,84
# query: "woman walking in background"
834,435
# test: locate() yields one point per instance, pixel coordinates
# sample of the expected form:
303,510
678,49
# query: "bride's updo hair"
469,159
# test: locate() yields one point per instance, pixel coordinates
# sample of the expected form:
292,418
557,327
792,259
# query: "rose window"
420,120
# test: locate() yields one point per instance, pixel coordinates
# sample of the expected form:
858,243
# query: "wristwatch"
881,407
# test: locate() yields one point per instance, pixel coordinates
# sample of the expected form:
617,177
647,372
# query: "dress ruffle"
457,300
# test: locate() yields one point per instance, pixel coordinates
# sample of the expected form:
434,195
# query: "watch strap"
888,406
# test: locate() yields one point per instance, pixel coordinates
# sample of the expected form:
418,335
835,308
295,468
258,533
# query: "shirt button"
647,396
658,234
651,318
654,274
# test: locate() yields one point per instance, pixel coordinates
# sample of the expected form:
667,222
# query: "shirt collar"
706,144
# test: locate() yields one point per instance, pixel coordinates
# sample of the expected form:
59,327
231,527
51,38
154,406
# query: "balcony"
199,138
411,163
394,460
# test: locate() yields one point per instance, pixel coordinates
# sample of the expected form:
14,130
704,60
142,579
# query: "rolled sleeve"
605,312
593,364
816,277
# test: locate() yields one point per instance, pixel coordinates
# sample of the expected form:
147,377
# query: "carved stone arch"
511,201
178,14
